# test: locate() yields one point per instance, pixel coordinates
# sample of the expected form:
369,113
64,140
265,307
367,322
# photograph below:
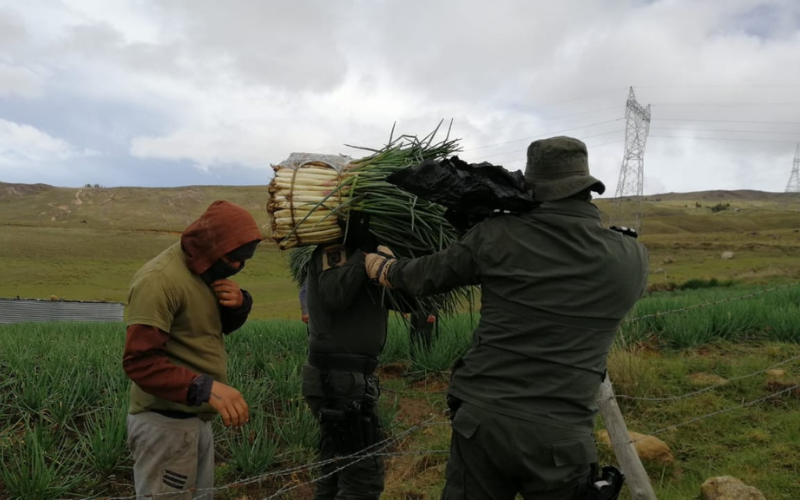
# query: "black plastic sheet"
470,192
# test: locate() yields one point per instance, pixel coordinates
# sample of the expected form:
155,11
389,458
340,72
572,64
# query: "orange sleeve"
147,365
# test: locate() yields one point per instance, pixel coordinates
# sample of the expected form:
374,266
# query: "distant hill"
158,209
742,194
87,243
171,209
11,190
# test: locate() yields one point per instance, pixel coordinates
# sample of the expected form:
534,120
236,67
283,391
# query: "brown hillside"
13,190
86,243
171,209
160,209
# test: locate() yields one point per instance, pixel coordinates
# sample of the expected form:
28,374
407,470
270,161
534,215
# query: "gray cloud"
12,28
222,86
287,45
19,81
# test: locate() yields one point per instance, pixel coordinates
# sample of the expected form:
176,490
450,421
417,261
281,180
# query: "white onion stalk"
304,204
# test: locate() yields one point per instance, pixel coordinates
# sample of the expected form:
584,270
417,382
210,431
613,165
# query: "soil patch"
391,371
432,384
414,411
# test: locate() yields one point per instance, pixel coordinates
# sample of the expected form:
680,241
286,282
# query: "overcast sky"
184,92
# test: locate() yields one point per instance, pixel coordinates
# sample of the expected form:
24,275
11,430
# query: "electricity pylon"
793,186
631,174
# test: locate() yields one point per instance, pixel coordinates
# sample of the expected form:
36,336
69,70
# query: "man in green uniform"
347,332
555,286
180,305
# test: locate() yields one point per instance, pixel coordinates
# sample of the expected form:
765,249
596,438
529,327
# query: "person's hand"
385,251
228,293
379,264
304,318
230,404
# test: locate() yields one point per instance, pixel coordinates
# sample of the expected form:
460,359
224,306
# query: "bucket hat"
558,168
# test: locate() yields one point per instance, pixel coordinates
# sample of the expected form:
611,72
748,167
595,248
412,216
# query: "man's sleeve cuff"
199,390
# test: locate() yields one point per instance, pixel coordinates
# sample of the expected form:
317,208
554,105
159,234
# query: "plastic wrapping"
470,192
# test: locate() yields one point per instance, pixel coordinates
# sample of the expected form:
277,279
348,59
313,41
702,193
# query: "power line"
718,139
719,85
570,116
520,150
723,104
679,129
572,99
605,143
542,134
557,119
589,146
723,121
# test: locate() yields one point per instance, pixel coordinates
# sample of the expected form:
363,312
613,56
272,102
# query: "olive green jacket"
555,286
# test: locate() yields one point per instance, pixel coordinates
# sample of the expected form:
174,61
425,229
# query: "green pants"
494,457
360,477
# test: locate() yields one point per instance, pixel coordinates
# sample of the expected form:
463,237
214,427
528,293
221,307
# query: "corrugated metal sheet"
32,310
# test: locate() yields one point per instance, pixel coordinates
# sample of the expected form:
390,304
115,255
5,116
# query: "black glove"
357,233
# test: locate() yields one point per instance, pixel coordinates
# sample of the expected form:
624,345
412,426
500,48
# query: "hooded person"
555,286
180,306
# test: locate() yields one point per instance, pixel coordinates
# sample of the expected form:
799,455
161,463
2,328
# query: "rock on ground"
649,448
706,379
728,488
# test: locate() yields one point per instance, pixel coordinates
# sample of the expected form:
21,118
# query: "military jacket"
555,286
345,310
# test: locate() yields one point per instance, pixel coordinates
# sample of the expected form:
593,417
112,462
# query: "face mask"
219,270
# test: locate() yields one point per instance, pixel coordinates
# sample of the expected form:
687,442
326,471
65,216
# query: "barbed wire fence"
378,449
719,384
710,304
381,449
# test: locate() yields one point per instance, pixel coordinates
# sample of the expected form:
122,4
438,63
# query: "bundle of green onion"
299,258
306,201
398,219
409,226
302,204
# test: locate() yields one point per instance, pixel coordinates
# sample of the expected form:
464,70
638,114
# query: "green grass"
65,397
48,251
90,264
729,314
757,444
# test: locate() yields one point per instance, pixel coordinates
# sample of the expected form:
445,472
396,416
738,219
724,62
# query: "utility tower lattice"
793,186
631,175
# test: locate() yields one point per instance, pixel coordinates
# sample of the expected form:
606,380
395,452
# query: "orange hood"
222,228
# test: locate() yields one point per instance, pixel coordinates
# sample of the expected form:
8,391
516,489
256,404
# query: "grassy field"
63,394
64,399
86,244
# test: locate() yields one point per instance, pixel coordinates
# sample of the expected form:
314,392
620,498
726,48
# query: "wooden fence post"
635,476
